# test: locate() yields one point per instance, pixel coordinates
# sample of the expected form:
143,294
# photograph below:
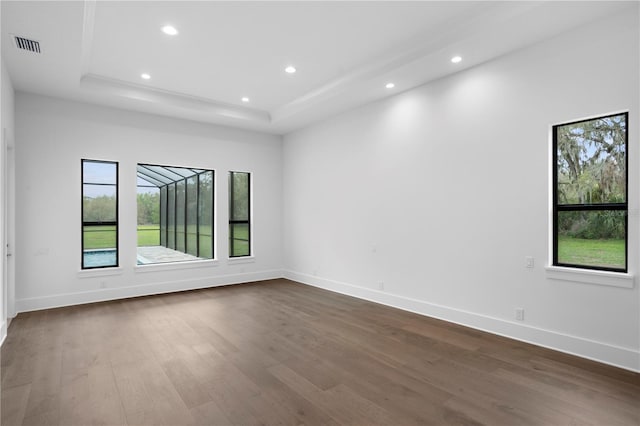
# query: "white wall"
430,200
6,171
54,135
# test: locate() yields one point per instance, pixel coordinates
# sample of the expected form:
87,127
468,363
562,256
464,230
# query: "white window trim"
169,266
240,259
578,275
588,276
231,260
100,272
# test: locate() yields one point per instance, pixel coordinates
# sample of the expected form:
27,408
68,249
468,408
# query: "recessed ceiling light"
145,76
390,85
245,99
168,29
456,59
290,69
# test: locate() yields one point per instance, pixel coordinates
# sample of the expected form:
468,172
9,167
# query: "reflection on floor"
160,254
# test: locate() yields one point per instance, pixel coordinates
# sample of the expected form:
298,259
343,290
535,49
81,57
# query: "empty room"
320,213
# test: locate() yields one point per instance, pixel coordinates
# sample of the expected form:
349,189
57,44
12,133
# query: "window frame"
164,212
556,207
237,221
108,223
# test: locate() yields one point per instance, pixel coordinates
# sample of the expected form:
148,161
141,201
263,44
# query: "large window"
590,193
239,214
99,214
175,213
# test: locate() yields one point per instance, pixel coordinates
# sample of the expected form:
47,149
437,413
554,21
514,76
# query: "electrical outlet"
520,314
529,261
381,285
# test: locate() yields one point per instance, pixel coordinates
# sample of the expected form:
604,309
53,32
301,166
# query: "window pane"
239,214
185,214
192,215
99,172
181,171
206,246
240,196
239,239
147,181
99,258
591,162
171,216
592,238
99,237
145,171
99,208
99,203
205,214
163,173
180,216
148,206
148,236
163,216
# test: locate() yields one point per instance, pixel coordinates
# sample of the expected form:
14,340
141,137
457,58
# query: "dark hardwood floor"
283,353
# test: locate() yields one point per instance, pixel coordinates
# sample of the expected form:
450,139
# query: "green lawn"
101,237
239,239
148,235
579,251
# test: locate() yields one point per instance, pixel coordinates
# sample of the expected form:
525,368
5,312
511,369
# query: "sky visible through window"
97,173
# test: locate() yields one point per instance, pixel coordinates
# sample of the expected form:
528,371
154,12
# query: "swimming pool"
97,258
105,257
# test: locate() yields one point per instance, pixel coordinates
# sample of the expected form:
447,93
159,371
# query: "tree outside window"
590,193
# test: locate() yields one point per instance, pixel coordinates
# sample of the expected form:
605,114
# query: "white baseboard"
102,295
626,358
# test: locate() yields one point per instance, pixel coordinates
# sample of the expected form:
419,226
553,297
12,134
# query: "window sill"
240,260
99,272
605,278
169,266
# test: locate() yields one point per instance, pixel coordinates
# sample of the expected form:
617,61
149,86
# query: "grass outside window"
597,253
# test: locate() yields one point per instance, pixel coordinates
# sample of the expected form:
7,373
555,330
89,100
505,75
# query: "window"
239,214
590,193
175,214
99,214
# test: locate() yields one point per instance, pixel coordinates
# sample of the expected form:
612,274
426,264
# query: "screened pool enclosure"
175,213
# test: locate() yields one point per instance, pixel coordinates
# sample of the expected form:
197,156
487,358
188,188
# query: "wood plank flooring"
281,353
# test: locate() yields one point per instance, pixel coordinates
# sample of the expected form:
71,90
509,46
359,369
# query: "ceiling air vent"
26,44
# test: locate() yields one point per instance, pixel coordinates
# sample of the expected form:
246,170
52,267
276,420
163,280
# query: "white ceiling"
345,52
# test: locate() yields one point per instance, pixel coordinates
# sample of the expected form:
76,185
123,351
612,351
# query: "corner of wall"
3,332
7,129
